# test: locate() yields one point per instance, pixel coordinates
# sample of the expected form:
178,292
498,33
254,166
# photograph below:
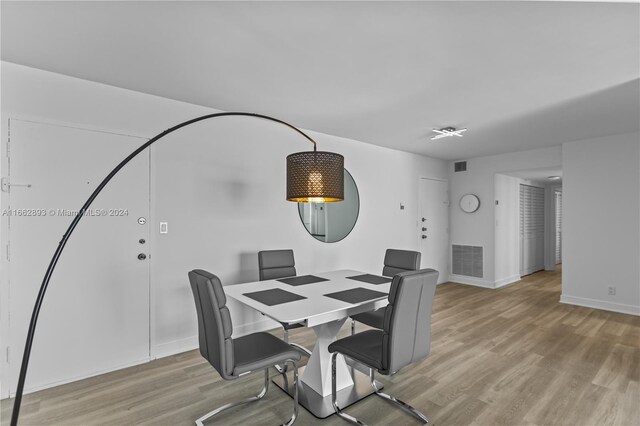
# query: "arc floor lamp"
312,176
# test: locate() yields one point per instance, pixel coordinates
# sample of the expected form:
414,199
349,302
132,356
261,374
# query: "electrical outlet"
612,291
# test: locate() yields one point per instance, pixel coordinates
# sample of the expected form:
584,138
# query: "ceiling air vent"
460,166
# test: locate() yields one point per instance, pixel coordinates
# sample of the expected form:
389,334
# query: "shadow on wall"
235,192
247,270
611,111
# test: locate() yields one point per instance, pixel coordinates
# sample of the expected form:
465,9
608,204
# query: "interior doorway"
525,221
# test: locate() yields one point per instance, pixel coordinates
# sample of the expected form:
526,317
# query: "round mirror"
331,222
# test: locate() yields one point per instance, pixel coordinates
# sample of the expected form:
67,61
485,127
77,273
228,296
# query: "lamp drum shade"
315,177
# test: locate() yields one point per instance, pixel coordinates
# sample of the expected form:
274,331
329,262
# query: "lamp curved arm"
76,220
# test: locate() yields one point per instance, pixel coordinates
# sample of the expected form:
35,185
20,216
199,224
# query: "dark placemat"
371,279
357,295
274,296
302,280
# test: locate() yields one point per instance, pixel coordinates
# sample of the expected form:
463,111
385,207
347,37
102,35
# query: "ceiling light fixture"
448,131
554,177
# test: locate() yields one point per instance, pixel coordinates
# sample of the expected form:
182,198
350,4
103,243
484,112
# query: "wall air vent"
460,166
467,261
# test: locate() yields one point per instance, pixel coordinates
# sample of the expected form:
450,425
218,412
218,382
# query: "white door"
531,229
95,316
434,226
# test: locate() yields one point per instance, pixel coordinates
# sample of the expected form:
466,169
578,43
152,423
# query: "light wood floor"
513,356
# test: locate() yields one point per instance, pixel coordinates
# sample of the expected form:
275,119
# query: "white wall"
209,180
207,193
479,228
601,225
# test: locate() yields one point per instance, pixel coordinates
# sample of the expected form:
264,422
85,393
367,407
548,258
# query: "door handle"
142,256
6,185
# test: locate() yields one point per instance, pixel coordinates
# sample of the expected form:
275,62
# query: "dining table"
321,301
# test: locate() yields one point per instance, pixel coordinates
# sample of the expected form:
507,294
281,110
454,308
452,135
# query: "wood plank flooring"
512,356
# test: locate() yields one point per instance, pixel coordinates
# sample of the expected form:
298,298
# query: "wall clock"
469,203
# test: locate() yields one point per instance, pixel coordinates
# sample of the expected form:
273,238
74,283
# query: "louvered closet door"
558,227
531,229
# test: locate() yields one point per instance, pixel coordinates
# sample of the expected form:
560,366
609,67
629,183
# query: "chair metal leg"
353,327
417,414
334,394
285,338
301,348
294,416
201,420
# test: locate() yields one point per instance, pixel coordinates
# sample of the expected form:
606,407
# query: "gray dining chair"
233,358
395,262
275,264
404,339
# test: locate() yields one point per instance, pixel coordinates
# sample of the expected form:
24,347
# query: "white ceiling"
519,75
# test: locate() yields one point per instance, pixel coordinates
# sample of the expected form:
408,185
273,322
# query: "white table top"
316,309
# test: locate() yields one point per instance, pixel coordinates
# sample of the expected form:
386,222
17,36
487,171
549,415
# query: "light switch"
164,227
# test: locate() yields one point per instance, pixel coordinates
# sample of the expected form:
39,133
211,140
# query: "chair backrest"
275,264
407,319
396,261
214,321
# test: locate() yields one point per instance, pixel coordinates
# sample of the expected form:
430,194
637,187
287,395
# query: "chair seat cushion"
258,351
373,319
365,347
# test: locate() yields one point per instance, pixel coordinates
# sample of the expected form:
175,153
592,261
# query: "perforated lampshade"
315,177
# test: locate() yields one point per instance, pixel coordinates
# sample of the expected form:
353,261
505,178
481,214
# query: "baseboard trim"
478,282
265,324
600,304
531,271
507,281
12,392
190,343
444,278
175,347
